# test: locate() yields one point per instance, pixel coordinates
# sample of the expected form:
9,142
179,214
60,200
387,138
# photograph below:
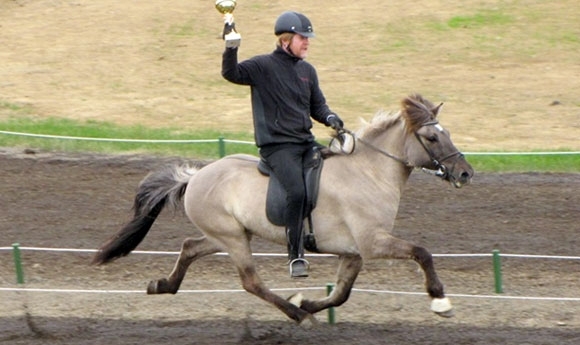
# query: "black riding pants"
287,164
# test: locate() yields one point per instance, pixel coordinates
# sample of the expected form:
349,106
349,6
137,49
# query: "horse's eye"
433,138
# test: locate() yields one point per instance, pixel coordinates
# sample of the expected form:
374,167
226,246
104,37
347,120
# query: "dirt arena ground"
76,201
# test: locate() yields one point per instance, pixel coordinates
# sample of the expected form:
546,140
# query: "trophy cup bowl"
225,6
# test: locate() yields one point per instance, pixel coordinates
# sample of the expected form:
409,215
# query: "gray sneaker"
299,268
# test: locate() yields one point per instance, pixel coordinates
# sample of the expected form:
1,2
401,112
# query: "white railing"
16,248
221,142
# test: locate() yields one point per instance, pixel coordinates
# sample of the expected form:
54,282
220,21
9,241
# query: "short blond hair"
285,37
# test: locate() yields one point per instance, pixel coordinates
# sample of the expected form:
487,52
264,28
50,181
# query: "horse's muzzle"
460,173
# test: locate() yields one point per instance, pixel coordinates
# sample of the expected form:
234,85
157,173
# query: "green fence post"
18,263
331,316
497,271
222,147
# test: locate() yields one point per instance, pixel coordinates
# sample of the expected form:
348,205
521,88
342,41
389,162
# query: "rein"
381,151
441,171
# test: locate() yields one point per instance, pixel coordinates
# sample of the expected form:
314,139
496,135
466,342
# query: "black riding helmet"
293,22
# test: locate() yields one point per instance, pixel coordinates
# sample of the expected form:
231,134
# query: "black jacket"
285,94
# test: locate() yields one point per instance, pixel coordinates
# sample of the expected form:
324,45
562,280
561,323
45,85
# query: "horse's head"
429,145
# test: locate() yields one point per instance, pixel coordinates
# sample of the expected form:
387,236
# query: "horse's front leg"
191,250
394,248
348,270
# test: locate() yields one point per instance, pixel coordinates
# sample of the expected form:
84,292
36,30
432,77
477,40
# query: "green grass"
13,107
525,163
94,129
479,19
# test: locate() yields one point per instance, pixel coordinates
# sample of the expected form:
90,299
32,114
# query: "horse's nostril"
465,175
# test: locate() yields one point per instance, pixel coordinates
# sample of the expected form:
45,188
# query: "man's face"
299,46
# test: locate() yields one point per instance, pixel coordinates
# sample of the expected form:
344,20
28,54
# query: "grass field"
108,138
506,70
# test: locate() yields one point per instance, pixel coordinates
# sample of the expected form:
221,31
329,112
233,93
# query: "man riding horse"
285,95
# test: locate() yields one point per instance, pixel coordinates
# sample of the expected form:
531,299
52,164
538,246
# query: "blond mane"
380,122
415,112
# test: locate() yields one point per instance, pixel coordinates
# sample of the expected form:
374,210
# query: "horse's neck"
384,155
384,171
376,173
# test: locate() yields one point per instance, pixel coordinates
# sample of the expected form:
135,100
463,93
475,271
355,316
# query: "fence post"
222,146
18,263
331,316
497,271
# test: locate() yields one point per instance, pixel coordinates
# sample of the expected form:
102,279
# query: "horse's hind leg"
348,270
191,250
241,255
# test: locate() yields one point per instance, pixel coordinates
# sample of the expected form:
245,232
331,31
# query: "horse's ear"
416,113
437,109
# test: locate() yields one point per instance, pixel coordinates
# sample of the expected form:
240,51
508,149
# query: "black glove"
335,122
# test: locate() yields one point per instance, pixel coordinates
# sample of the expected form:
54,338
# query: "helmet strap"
289,51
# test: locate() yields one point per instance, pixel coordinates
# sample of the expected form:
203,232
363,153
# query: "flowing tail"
156,190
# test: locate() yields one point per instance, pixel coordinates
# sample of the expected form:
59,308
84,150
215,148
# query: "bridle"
440,169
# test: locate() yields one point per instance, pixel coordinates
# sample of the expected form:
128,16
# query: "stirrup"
299,268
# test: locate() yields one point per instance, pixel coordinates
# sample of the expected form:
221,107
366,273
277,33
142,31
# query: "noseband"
440,169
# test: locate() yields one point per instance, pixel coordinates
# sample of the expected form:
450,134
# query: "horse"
358,200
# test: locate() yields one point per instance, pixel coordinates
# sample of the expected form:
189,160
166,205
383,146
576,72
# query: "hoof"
309,322
442,307
447,314
296,299
302,317
160,286
152,287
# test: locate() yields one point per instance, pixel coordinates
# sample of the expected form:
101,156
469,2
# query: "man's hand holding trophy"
230,35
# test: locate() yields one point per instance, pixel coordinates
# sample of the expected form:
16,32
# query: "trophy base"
233,40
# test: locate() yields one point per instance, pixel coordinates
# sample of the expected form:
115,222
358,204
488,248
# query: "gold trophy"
226,7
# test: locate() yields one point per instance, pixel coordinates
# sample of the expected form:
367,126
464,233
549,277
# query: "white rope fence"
390,292
221,140
153,252
150,141
17,248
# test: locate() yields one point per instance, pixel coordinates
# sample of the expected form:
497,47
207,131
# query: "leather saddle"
276,197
